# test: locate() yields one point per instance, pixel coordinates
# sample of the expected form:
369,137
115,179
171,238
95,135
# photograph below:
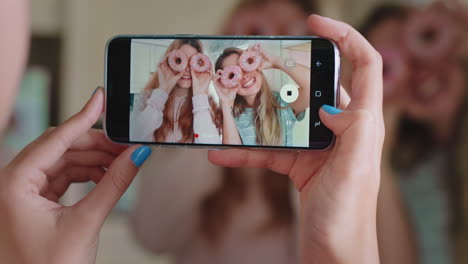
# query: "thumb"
335,119
178,76
100,201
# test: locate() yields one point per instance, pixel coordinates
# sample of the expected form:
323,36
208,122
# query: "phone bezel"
313,145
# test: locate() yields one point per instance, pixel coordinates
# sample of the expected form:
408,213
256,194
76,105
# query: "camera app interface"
220,91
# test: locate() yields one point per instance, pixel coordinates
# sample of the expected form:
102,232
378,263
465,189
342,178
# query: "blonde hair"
267,124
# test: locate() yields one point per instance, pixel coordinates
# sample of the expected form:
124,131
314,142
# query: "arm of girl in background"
149,115
338,187
299,73
204,127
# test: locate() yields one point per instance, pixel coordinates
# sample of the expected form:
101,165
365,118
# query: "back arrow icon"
318,63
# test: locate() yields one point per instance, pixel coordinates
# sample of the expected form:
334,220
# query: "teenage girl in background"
425,107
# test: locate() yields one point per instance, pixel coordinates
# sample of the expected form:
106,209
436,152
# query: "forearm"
147,121
349,234
301,76
340,249
203,124
230,133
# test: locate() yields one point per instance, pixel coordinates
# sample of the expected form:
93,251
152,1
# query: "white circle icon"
289,93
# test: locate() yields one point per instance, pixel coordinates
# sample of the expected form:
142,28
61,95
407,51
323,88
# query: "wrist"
166,88
336,247
278,63
198,92
226,107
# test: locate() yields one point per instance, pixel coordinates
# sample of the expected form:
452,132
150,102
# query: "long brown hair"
185,118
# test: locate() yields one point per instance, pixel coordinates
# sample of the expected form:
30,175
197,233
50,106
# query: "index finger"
46,150
366,88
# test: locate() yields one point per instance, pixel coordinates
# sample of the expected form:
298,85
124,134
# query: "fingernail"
95,90
331,110
140,155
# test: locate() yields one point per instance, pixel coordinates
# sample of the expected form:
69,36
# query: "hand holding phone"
338,187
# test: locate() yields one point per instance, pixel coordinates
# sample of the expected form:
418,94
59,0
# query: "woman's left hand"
201,81
34,226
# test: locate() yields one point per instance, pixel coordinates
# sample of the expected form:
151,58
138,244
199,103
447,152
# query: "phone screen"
212,91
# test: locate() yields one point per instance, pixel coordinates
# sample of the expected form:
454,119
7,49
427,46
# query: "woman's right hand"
339,187
167,78
226,95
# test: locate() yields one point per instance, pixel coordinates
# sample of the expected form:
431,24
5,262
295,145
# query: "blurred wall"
45,17
87,25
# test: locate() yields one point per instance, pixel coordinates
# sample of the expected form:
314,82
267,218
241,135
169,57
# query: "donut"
177,60
431,36
250,60
230,76
395,69
200,63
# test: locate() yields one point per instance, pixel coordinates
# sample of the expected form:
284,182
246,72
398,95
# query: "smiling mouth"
429,91
187,78
249,83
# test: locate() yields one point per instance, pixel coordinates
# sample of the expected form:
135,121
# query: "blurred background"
423,207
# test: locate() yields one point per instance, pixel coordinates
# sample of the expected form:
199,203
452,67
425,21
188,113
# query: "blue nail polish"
331,110
140,155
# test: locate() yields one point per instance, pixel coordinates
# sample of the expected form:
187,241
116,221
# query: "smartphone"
220,91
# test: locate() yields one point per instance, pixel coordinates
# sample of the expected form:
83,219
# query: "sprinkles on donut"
200,63
230,76
250,60
177,60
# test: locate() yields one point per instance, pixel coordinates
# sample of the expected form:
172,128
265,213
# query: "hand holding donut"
227,95
256,57
230,76
167,78
201,71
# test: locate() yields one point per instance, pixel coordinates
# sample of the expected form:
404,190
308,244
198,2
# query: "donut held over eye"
230,76
250,60
395,70
431,36
200,63
177,60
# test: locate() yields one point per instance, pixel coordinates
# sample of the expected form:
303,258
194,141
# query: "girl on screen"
174,106
253,113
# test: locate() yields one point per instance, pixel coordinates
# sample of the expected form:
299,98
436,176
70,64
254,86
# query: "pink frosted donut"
230,76
177,60
250,60
395,69
431,36
200,63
